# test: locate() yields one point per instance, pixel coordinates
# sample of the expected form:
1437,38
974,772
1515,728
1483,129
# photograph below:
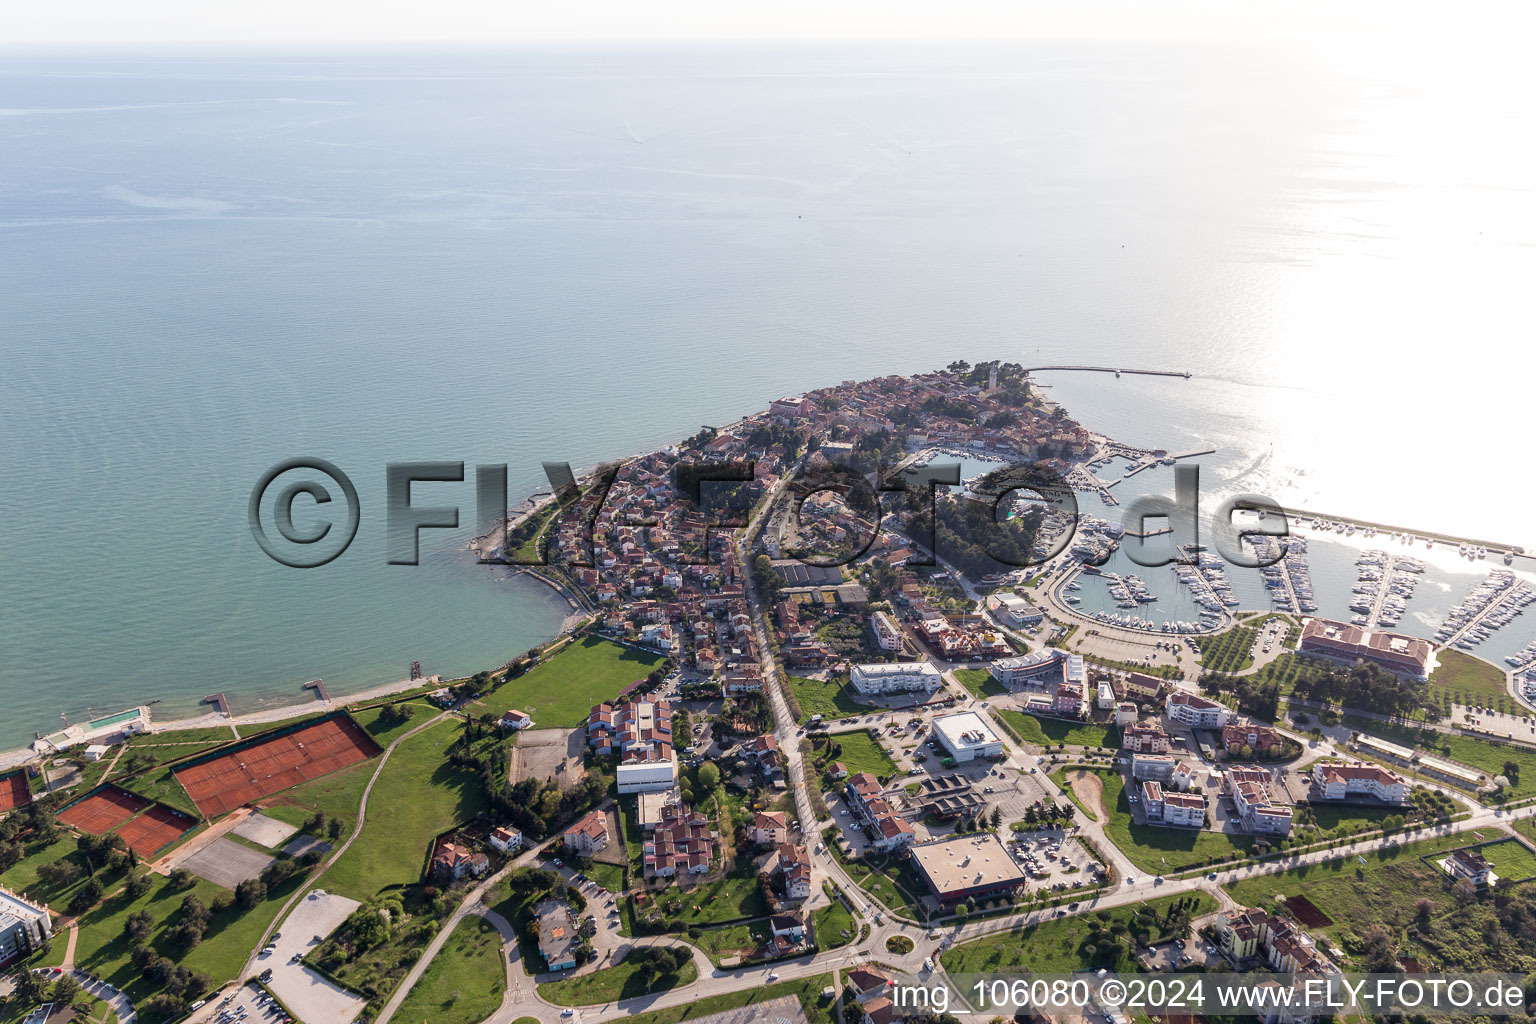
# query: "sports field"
275,763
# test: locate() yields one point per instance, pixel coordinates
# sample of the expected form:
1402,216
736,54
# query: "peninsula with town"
850,699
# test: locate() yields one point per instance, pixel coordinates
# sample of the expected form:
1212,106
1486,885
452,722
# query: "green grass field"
336,795
1384,891
418,794
832,699
621,981
980,683
465,981
162,785
1060,945
835,926
731,940
559,693
150,749
724,899
1161,850
609,876
861,752
1512,860
1468,678
103,950
385,734
1045,732
893,882
1231,651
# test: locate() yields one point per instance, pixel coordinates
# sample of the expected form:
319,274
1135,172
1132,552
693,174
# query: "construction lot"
549,755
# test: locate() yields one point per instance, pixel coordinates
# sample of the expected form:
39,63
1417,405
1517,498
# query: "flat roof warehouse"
966,865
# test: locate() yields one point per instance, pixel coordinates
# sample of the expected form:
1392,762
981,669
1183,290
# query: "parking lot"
1053,860
1013,785
1169,956
313,998
248,1004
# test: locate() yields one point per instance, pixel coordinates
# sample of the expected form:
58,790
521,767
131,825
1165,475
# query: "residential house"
588,835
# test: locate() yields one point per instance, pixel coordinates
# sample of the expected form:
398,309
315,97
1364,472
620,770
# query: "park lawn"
731,940
1475,679
835,926
1056,945
807,990
1231,651
1347,819
1161,850
861,752
1045,732
609,876
103,950
724,899
418,794
893,883
464,983
560,692
980,683
22,876
621,981
831,699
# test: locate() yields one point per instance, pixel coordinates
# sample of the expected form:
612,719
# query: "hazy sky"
299,21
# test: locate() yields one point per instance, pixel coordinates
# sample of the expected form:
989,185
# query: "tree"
334,829
250,892
137,925
65,990
181,879
138,885
86,897
709,776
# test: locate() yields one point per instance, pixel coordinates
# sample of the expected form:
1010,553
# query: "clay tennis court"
267,766
14,791
154,829
103,810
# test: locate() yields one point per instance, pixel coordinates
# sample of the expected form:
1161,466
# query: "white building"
23,925
1184,810
1335,781
1158,767
895,677
967,736
887,632
647,776
1014,610
1125,714
507,840
1196,711
1106,697
1036,667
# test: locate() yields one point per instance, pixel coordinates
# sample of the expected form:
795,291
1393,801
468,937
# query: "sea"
215,260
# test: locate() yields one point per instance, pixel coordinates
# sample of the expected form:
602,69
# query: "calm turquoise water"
212,262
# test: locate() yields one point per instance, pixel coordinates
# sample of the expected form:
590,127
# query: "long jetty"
1116,370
